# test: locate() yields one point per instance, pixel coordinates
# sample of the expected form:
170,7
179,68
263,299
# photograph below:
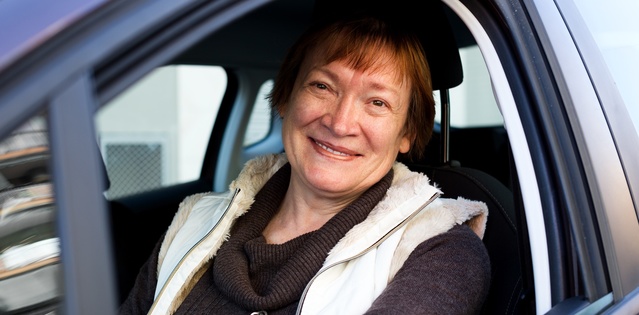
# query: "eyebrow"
375,84
385,87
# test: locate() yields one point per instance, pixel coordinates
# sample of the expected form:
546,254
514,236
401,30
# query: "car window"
260,120
29,245
156,132
472,102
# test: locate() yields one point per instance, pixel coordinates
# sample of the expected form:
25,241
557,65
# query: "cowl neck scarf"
260,276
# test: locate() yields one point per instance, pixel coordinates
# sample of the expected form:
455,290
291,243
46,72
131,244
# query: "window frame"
81,211
613,207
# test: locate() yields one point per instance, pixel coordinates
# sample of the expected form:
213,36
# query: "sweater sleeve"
141,297
447,274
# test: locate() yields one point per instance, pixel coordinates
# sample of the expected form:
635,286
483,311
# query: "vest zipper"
383,238
190,250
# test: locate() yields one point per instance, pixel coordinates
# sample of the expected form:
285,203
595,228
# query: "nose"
341,118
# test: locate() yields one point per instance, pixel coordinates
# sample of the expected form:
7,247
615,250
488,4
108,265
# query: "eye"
379,103
321,86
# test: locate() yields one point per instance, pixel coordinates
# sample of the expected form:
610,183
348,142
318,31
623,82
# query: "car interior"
467,157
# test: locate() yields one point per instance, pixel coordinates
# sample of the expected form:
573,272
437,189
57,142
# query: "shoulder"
439,217
197,208
446,274
460,240
195,202
457,254
457,260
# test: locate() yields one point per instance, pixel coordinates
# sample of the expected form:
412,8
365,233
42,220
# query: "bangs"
364,50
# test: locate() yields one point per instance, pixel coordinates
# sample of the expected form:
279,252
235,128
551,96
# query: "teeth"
331,150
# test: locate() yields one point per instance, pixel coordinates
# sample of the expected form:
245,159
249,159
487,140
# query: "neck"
301,212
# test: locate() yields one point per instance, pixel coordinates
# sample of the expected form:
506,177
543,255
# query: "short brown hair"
356,41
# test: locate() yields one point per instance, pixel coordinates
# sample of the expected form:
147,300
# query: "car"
112,112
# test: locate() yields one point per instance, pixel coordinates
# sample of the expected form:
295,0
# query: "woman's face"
343,128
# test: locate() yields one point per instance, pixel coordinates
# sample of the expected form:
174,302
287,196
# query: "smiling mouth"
332,150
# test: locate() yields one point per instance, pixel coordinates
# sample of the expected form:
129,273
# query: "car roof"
24,28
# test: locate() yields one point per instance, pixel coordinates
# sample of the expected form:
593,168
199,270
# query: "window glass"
29,246
472,103
155,134
260,121
615,28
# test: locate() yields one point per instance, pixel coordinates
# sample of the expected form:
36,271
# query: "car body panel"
608,183
18,37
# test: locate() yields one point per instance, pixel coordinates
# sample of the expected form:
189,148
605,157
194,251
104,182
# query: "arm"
142,294
448,274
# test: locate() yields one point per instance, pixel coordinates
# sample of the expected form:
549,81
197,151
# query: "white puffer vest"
356,270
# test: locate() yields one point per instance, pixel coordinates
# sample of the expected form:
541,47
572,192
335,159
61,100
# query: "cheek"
303,111
386,135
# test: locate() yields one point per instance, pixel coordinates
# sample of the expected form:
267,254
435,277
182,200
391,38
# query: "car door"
576,171
57,85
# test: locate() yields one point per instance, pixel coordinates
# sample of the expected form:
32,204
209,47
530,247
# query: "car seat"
500,237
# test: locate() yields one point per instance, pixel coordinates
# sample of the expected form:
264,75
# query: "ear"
405,143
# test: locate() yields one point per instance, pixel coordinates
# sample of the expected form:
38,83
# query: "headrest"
426,18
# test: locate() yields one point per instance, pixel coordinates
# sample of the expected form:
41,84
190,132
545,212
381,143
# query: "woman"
334,225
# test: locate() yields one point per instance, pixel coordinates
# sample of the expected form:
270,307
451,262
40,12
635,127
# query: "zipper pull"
259,313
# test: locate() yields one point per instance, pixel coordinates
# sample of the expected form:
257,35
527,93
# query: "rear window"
472,103
155,133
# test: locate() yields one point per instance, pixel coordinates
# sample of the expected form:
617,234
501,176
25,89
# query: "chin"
330,182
